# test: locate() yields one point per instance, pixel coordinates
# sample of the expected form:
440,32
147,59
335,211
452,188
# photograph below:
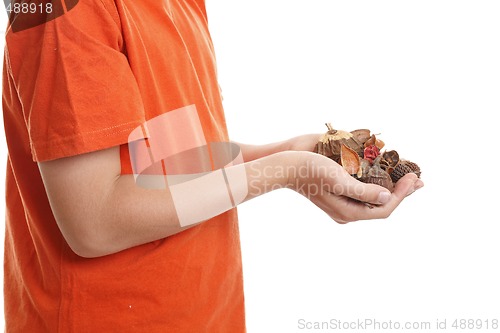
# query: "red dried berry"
371,152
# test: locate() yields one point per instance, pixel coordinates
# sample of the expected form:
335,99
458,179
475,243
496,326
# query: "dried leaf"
349,160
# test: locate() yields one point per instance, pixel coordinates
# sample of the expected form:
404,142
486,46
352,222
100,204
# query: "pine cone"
403,168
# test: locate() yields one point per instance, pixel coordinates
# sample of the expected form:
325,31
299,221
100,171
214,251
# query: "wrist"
297,170
271,172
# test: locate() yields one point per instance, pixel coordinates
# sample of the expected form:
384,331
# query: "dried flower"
371,152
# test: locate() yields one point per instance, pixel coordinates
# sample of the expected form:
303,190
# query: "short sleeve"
76,90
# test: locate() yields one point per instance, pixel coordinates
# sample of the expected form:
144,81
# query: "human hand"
305,142
341,196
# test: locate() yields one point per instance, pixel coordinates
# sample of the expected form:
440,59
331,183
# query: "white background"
424,74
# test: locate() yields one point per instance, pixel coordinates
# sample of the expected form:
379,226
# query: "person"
88,248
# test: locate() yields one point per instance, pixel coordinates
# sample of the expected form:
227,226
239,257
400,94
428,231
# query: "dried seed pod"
331,142
361,135
374,141
391,157
376,175
403,168
385,166
349,159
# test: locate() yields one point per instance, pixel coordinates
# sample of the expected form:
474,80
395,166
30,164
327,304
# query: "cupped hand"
342,197
305,142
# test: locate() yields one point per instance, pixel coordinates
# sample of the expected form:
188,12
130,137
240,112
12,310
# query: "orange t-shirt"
80,83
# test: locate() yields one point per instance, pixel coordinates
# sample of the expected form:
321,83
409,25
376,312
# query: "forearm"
254,152
138,215
299,143
113,216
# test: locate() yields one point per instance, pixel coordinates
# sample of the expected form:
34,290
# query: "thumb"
357,190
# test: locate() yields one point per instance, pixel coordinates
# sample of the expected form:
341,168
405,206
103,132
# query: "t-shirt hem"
81,143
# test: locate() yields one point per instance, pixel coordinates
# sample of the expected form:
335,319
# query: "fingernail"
384,197
418,184
410,191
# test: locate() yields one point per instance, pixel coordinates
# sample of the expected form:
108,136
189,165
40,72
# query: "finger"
355,210
354,189
340,209
404,187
